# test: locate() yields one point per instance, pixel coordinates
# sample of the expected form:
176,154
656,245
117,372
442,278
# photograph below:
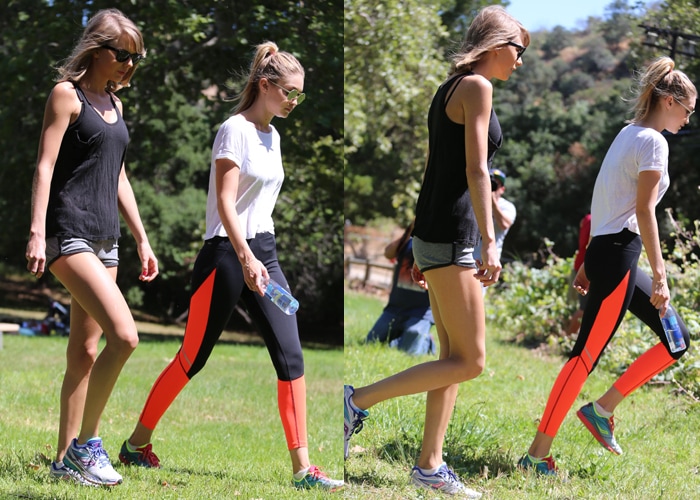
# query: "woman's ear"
263,85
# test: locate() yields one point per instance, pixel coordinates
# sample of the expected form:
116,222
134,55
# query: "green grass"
221,439
495,420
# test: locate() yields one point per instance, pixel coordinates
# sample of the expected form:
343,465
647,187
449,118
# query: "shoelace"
146,455
316,473
358,425
611,421
550,463
99,456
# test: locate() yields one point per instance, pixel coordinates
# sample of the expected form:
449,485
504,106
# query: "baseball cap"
498,174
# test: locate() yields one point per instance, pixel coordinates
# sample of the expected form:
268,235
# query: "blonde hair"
659,80
104,28
491,28
270,63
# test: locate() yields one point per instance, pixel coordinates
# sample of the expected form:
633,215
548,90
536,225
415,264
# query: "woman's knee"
81,359
125,341
470,368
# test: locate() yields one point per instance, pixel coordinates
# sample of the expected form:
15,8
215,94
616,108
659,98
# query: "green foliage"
393,65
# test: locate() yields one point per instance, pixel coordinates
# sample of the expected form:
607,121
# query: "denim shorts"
105,250
433,255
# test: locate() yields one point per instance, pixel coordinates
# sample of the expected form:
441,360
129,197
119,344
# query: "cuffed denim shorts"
105,250
433,255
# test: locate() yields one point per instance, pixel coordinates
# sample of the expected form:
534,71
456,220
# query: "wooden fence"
365,266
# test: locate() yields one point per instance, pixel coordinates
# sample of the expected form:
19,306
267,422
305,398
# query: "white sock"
300,475
429,472
601,411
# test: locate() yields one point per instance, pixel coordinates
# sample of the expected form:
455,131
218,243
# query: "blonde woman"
631,182
79,189
238,256
454,207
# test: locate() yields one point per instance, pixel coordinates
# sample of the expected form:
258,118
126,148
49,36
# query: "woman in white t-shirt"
238,256
631,182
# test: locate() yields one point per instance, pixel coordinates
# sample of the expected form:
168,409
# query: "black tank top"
83,199
444,212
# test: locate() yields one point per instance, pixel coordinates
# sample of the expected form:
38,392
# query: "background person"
454,207
80,187
584,235
406,320
238,256
503,211
632,180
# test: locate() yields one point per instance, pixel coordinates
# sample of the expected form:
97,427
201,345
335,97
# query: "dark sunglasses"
521,49
291,94
122,55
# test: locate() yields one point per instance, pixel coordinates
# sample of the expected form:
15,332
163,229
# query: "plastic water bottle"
281,297
673,331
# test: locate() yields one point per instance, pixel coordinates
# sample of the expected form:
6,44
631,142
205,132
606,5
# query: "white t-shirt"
634,150
509,212
258,156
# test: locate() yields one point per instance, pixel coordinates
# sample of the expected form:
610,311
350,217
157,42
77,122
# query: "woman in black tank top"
79,189
454,206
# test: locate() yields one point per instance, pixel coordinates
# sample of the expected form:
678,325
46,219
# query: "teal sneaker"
315,478
601,427
544,466
353,417
444,480
142,456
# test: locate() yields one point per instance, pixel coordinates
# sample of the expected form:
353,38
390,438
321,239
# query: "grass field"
495,420
221,439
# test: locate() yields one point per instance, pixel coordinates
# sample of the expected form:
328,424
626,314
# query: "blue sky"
537,14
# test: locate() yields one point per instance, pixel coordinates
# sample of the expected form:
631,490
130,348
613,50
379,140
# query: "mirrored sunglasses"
291,94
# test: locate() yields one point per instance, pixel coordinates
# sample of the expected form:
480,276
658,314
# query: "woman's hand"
581,282
660,295
36,256
488,269
149,263
255,276
418,277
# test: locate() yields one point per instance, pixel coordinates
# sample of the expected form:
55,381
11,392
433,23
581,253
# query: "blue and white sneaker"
444,480
353,417
61,472
602,428
92,462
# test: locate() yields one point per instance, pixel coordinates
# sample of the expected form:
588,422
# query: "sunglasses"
291,94
123,55
688,112
521,49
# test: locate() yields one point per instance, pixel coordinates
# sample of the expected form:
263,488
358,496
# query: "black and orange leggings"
217,286
616,285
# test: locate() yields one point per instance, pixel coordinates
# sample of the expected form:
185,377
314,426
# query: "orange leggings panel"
174,378
291,399
573,375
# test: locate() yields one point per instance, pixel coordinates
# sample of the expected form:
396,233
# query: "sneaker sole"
87,476
594,431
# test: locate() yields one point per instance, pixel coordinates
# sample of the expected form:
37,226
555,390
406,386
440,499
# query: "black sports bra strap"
79,92
454,84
